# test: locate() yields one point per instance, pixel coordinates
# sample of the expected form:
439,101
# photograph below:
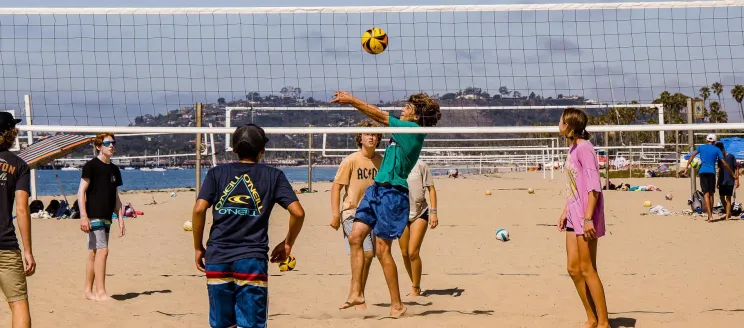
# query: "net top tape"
369,9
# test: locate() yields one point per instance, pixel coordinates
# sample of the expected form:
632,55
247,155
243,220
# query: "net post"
676,154
691,144
198,110
630,160
310,162
27,100
607,160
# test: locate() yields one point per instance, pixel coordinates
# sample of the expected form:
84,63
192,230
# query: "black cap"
250,135
7,121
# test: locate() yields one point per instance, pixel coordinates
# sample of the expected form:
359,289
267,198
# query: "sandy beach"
658,271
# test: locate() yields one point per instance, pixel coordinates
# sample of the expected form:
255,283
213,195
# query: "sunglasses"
109,143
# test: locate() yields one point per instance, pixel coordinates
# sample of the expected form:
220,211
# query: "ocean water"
47,183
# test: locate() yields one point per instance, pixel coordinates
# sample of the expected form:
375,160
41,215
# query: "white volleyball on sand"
530,191
502,234
187,226
488,193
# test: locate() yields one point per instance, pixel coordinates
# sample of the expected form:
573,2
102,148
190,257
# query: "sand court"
658,271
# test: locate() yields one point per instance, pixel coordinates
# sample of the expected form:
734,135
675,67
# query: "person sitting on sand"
242,195
99,192
355,174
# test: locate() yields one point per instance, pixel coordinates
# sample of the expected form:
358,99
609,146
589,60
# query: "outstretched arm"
687,165
345,98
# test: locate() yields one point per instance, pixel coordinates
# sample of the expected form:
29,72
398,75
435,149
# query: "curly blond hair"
7,138
426,109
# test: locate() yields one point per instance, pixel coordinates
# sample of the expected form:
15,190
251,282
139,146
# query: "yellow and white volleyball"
488,193
288,264
187,226
647,203
502,234
696,163
530,191
374,41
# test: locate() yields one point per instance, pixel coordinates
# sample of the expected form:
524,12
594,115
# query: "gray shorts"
369,242
98,236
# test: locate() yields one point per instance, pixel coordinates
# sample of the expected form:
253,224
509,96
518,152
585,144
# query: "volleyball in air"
187,226
374,41
502,234
696,163
288,264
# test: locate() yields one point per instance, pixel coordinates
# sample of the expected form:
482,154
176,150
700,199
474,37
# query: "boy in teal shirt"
385,206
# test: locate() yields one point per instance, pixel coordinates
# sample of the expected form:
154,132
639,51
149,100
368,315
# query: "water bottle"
699,210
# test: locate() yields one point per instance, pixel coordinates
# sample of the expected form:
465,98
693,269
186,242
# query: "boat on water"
129,168
159,169
146,169
70,168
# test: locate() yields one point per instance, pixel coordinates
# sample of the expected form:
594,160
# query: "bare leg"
418,231
356,239
709,205
727,205
587,258
100,272
574,270
397,309
368,256
21,314
403,243
90,275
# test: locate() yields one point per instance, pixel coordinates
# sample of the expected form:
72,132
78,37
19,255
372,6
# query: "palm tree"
716,114
718,90
738,93
705,94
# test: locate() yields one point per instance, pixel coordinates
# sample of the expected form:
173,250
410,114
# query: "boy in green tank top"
385,207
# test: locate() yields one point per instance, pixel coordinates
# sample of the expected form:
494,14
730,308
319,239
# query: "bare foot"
358,304
590,324
90,296
103,297
397,313
416,291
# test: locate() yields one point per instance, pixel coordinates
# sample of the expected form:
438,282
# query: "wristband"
432,211
588,220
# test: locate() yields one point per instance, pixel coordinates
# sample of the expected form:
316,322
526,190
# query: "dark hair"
249,141
720,146
576,120
7,138
367,124
425,108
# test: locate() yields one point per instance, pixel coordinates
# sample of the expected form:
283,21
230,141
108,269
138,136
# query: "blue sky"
108,69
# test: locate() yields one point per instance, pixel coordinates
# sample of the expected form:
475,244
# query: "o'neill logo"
240,197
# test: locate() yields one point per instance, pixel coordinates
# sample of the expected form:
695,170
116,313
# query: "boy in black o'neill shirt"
242,195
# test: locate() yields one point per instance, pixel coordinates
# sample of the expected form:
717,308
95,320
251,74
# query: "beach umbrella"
54,147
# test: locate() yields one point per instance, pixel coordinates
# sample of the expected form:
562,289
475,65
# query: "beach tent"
734,145
54,147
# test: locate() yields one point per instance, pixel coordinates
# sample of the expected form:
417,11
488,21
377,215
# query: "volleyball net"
487,65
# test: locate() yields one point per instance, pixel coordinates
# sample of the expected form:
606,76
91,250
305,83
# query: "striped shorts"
238,293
